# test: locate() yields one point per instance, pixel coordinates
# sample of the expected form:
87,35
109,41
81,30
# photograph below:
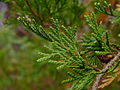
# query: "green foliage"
103,7
99,36
64,51
43,10
18,67
81,65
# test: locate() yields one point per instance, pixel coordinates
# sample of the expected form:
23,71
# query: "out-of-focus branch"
98,78
31,10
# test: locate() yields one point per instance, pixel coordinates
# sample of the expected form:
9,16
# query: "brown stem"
95,68
31,10
98,78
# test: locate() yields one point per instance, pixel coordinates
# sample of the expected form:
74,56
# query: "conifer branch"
98,78
83,65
